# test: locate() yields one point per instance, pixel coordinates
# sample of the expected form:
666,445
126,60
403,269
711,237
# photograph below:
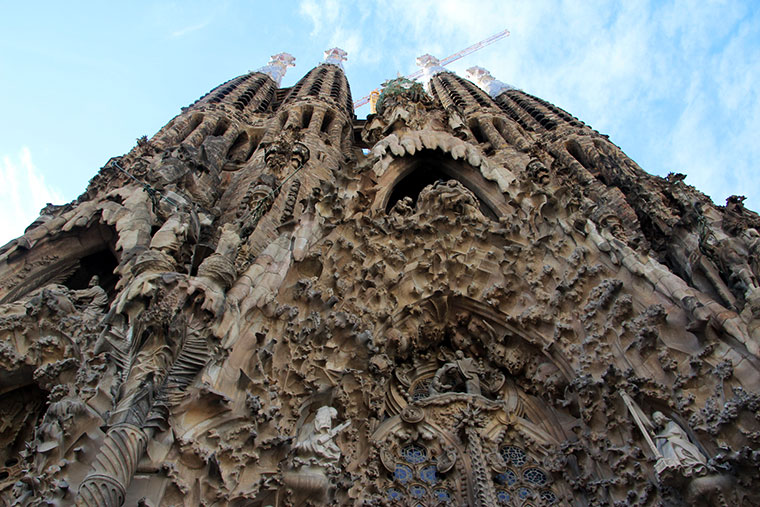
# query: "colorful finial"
278,66
335,56
430,67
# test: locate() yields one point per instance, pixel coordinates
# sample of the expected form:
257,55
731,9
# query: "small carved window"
414,454
522,481
417,478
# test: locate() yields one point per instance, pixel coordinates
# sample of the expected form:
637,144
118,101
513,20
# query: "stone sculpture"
676,450
462,368
317,439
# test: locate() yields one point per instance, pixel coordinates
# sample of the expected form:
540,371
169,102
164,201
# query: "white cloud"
323,15
23,192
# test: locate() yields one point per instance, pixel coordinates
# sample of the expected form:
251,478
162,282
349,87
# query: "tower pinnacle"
335,56
483,78
430,67
278,66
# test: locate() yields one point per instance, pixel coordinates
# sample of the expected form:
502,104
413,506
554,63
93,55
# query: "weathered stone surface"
494,305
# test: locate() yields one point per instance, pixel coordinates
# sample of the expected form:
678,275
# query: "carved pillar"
482,485
114,467
493,135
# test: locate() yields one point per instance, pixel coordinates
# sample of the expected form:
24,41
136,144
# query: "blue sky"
672,83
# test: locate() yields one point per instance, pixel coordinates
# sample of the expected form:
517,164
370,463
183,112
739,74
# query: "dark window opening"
23,406
242,149
100,264
306,117
335,89
250,92
349,103
283,119
264,104
238,148
574,149
326,121
221,128
201,251
477,132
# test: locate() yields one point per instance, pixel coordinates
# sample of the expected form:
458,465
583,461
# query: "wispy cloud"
189,29
23,192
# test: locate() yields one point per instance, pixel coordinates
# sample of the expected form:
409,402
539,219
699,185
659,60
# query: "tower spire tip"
278,66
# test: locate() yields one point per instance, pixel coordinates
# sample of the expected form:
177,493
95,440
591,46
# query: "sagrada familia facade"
469,298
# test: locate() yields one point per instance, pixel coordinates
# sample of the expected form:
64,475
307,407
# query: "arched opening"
412,185
83,253
477,132
195,120
306,117
239,148
23,407
101,264
327,120
221,128
576,151
427,168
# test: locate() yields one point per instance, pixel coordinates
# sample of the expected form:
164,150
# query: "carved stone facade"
463,300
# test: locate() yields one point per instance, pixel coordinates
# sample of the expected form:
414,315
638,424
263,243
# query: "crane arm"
485,42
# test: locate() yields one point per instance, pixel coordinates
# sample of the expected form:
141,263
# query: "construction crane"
374,94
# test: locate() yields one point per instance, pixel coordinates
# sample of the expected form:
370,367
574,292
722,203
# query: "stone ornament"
278,66
316,440
487,82
336,56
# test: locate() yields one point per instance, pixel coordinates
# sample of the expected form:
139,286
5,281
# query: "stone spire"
278,66
430,67
335,56
487,82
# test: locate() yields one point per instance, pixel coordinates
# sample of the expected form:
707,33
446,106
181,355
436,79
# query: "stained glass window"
515,485
417,490
508,477
535,476
416,476
394,494
414,454
428,474
548,497
402,473
442,494
524,493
